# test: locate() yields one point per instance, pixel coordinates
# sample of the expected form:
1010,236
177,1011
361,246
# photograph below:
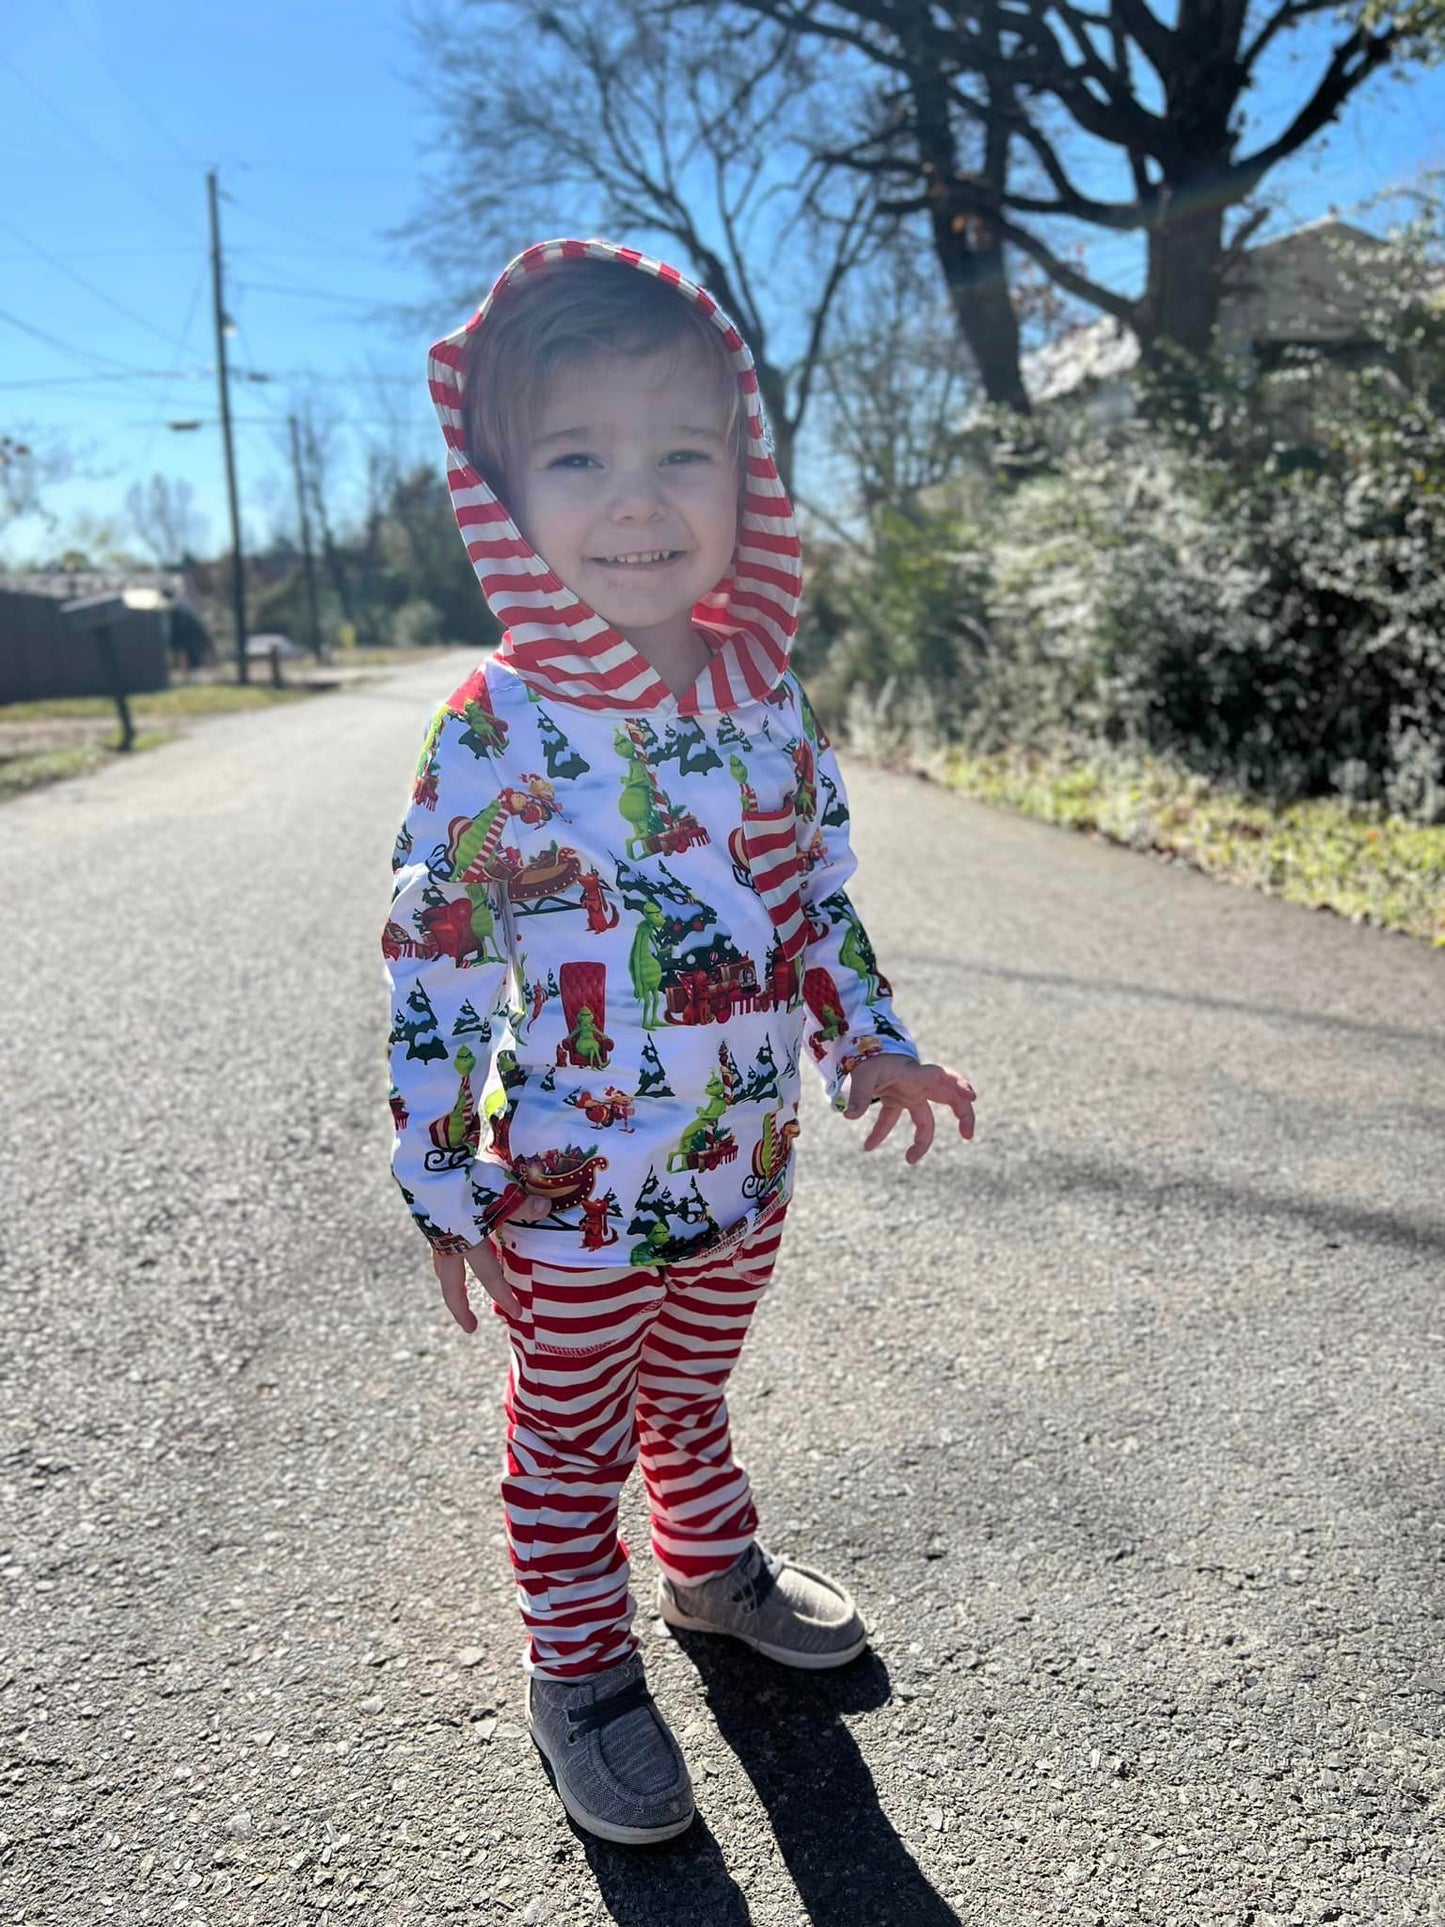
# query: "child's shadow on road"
847,1862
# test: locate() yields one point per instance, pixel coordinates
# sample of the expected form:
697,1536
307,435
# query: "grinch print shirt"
620,919
613,940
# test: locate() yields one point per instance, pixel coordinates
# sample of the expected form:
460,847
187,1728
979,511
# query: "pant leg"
703,1516
571,1442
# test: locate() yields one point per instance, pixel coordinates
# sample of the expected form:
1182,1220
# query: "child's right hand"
451,1268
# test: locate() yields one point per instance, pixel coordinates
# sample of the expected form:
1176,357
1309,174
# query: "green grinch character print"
455,1137
658,826
645,961
584,1006
584,1043
770,1156
653,1248
706,1142
424,790
855,952
472,703
485,732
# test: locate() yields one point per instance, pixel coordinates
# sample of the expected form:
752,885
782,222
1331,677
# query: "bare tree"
164,519
28,464
1164,98
897,383
318,433
598,117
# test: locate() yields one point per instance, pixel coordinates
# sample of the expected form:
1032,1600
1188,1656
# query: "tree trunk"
976,275
1182,291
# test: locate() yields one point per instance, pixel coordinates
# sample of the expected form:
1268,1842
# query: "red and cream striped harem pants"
608,1366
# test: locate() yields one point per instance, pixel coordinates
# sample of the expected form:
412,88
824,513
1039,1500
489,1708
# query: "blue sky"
110,116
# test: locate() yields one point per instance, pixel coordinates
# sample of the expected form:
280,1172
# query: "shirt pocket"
770,844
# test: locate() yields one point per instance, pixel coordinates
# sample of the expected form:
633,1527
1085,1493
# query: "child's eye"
688,454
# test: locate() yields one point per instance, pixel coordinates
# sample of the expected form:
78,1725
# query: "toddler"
620,921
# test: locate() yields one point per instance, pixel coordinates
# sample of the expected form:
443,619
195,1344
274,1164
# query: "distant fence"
40,657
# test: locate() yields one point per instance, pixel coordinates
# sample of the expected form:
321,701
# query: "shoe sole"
784,1655
608,1829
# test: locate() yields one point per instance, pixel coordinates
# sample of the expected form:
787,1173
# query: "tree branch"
1353,62
1073,280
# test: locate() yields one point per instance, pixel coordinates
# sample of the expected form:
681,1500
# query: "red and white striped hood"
552,639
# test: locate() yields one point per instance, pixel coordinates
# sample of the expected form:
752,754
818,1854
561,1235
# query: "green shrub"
1267,613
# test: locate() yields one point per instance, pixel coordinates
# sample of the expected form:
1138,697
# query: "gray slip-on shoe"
786,1612
616,1767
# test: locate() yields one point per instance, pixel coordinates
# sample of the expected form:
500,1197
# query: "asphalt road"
1124,1422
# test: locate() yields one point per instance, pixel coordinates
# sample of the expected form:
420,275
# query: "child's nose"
635,491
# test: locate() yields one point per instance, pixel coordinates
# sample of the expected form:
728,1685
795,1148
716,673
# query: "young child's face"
629,457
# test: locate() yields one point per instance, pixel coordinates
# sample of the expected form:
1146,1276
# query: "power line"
84,381
81,281
284,227
84,134
66,348
317,294
139,105
108,254
181,340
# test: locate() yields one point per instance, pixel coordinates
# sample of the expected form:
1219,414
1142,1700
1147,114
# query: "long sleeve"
849,999
446,963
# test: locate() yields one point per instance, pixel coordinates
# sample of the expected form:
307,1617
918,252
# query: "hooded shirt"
620,919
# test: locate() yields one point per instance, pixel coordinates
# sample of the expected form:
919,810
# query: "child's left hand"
899,1084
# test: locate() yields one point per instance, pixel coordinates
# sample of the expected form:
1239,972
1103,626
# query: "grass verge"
46,742
1323,853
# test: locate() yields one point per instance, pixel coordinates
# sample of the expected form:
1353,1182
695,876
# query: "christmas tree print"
694,1209
690,749
835,817
549,1082
650,1224
562,759
419,1029
653,1080
468,1024
731,1077
728,732
762,1078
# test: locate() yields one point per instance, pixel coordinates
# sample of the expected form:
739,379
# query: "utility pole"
238,577
305,538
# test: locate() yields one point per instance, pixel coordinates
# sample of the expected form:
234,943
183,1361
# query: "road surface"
1124,1422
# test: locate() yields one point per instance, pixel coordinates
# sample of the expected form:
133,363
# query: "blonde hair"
562,314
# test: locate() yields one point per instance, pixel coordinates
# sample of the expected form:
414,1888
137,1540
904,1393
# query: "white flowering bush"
1266,612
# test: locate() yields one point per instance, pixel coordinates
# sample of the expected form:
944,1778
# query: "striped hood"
552,639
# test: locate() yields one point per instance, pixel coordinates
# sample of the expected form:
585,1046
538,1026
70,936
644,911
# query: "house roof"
139,588
1288,288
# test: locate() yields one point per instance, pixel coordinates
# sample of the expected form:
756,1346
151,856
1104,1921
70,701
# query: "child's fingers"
923,1130
489,1275
451,1271
888,1116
